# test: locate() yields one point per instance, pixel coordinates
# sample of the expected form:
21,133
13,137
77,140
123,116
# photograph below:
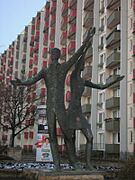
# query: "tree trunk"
12,138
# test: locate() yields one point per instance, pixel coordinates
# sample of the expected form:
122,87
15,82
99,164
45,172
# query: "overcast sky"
14,15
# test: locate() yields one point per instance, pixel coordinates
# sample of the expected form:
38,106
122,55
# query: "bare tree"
16,107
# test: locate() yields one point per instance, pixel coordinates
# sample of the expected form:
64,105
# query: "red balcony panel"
68,80
51,45
134,50
12,50
45,40
30,74
134,5
26,135
31,51
33,29
63,38
30,62
53,7
71,47
35,59
32,39
45,52
68,96
36,47
65,8
12,59
46,24
58,132
35,69
31,134
30,147
44,64
63,52
72,15
133,98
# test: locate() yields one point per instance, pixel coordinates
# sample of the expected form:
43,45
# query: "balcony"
112,124
33,27
35,69
64,23
133,98
71,47
113,60
112,78
72,4
64,8
113,19
88,5
53,20
63,53
53,7
88,20
72,31
32,41
52,34
133,74
87,72
86,108
112,103
45,52
112,4
45,39
37,36
89,53
113,39
30,63
63,38
44,64
72,15
112,148
87,92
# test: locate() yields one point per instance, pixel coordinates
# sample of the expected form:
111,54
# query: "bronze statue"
54,77
75,118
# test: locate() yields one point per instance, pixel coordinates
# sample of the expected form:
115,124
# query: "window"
130,112
116,92
130,89
116,71
131,136
101,78
116,113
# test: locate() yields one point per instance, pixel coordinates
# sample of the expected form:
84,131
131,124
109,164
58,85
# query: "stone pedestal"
15,153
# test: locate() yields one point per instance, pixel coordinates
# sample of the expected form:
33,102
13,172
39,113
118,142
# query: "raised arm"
29,81
86,44
102,86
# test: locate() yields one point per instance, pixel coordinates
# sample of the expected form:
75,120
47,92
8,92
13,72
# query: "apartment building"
64,24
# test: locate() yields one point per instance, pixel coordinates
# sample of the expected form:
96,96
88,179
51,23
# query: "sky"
14,15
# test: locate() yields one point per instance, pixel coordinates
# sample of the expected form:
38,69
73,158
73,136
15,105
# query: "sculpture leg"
89,137
53,139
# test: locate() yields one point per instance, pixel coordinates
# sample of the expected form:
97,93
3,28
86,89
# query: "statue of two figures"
70,119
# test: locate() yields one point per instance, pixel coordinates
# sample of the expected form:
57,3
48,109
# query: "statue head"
55,54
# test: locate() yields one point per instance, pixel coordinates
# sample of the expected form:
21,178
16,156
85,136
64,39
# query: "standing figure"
54,77
75,118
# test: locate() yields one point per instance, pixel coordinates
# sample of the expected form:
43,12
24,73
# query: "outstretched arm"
29,81
102,86
86,44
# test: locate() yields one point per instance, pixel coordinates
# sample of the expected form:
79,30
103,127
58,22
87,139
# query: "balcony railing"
71,47
87,73
113,102
72,15
63,38
113,59
88,5
64,8
86,108
112,148
72,31
112,4
113,39
64,23
112,124
87,92
88,20
112,78
113,19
